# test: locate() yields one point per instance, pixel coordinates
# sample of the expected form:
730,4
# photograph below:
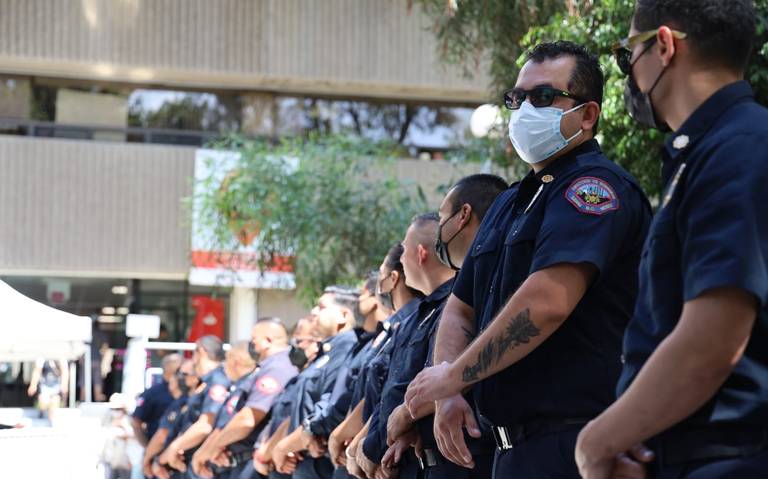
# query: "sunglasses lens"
513,99
623,60
541,97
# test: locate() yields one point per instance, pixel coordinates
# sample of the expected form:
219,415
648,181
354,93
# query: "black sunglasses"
622,50
539,97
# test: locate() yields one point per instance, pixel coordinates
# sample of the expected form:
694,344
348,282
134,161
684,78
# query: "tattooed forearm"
519,331
484,360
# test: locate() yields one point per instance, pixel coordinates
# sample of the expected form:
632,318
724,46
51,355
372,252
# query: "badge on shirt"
139,401
592,196
232,404
322,361
218,393
267,385
171,416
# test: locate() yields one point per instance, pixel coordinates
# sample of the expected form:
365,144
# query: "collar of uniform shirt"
705,116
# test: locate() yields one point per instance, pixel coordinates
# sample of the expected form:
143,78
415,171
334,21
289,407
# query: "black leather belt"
507,437
706,444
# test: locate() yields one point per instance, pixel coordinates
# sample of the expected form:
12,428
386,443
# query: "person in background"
152,403
117,464
50,381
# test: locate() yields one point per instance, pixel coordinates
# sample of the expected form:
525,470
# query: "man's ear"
666,40
591,115
466,214
422,253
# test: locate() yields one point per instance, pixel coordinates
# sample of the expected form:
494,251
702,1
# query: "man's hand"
285,461
597,461
176,459
431,384
159,471
146,467
220,458
400,422
317,446
351,464
337,444
31,391
369,467
452,415
262,467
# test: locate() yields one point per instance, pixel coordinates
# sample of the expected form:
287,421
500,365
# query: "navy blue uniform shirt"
151,405
711,231
375,372
409,355
319,377
332,408
172,413
582,208
238,393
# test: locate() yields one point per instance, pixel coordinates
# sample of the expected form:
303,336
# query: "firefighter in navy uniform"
197,421
318,379
424,272
181,385
246,412
694,386
461,214
551,281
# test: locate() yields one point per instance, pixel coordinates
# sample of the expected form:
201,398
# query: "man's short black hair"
478,191
721,32
425,218
392,262
371,279
587,77
213,347
273,320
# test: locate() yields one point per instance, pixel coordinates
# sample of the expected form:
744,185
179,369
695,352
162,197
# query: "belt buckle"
503,440
430,458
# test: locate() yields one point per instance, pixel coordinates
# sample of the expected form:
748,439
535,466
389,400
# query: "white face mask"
535,132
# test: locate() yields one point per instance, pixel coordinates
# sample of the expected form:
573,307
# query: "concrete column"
243,312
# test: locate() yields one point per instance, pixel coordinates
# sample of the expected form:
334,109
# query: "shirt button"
623,359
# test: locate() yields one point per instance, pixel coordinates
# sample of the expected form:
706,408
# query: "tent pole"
87,372
72,383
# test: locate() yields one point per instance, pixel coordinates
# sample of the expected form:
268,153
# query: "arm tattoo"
519,331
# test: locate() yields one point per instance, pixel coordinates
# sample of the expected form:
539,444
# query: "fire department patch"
593,196
232,404
139,402
218,393
267,385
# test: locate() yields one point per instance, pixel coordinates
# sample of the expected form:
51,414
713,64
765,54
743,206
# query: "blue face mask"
535,132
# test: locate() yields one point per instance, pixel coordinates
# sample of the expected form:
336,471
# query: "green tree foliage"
331,203
501,31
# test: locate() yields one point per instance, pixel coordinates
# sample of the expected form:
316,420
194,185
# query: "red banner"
209,318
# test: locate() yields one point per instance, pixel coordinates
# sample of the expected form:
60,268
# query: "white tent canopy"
30,330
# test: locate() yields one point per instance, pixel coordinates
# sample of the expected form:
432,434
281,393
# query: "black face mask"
252,351
297,356
385,298
181,381
639,104
441,247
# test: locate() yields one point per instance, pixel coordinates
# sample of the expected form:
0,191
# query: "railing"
19,126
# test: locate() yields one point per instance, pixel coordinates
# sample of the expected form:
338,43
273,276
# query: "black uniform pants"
545,456
445,469
311,468
748,467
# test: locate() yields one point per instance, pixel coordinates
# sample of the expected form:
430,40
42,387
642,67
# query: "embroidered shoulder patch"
218,393
592,196
267,385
